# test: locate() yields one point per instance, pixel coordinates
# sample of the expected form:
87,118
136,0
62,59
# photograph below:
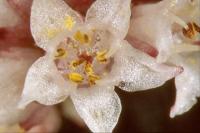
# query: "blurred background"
144,111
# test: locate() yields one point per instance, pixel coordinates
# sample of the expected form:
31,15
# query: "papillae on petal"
187,83
114,14
13,67
136,70
49,18
44,84
99,107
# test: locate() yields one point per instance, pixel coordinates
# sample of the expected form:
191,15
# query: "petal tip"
172,113
179,70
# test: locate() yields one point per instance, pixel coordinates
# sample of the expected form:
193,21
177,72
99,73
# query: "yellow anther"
75,77
76,63
192,30
89,69
101,56
69,23
51,33
92,79
81,37
60,53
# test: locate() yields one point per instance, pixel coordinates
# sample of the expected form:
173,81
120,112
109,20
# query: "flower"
86,59
173,31
154,27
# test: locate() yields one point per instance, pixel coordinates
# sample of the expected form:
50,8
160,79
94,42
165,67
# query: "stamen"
92,79
191,31
76,63
197,28
81,37
185,48
177,20
89,69
101,56
69,22
75,77
61,53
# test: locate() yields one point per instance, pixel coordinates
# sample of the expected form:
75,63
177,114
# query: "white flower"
174,31
153,24
86,59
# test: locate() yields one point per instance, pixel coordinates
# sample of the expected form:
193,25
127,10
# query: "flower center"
83,56
192,30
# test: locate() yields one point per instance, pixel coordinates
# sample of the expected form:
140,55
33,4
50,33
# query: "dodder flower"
86,59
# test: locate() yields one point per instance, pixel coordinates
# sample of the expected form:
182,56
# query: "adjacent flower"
14,64
174,31
155,28
86,59
14,23
13,67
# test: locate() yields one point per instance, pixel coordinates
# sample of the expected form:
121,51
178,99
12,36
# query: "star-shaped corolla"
86,59
174,32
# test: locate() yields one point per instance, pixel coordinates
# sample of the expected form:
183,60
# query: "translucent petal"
7,15
187,83
44,84
49,18
114,14
163,29
99,108
155,32
13,67
137,71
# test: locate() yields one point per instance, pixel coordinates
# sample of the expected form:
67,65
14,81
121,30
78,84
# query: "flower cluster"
86,57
